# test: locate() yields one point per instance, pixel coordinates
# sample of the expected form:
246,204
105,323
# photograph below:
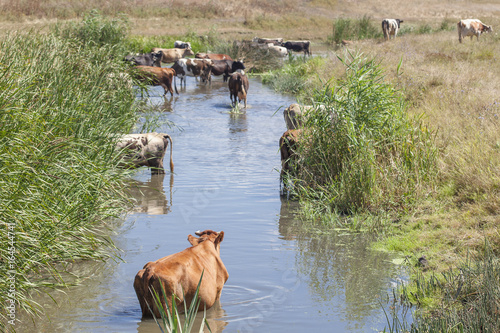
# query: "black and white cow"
298,46
148,59
178,44
390,27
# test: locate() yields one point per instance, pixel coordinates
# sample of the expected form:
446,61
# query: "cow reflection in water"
150,196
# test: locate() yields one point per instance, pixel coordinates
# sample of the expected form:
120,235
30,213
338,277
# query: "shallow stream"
283,275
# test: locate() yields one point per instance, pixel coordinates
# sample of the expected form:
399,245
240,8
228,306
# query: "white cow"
178,44
390,27
147,149
471,27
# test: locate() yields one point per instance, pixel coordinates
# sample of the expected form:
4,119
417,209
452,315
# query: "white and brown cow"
171,55
147,149
471,27
193,67
179,274
390,27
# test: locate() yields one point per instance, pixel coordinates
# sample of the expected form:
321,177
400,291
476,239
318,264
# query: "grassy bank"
62,103
448,212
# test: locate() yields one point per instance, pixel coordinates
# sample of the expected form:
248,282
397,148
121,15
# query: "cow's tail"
459,29
175,84
385,29
166,136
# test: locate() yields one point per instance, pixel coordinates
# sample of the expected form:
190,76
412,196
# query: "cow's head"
207,235
188,52
487,28
157,58
399,22
237,65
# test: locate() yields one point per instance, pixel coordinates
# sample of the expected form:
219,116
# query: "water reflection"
150,195
343,274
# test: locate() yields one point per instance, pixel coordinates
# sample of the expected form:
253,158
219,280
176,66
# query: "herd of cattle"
178,274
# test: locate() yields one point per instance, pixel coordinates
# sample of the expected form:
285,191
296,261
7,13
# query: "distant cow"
278,51
146,149
147,59
471,27
171,55
226,67
158,76
288,146
390,27
238,87
298,46
213,56
193,67
180,273
178,44
275,41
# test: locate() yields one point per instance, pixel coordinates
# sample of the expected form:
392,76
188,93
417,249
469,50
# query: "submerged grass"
62,103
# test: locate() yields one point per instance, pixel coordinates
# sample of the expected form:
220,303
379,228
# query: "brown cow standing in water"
158,76
238,87
180,273
288,145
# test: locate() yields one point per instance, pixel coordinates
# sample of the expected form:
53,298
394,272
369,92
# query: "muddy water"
284,276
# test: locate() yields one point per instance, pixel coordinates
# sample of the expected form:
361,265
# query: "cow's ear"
219,238
193,240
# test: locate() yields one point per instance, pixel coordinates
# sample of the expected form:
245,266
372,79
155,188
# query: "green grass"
353,29
465,299
62,105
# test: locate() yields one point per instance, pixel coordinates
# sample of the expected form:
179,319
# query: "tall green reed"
353,29
360,150
62,104
169,315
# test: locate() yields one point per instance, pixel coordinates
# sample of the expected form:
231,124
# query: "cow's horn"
198,233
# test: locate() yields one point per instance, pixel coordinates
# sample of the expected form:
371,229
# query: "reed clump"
63,101
353,29
360,150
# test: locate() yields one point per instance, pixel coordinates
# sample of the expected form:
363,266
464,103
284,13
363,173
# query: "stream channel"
283,275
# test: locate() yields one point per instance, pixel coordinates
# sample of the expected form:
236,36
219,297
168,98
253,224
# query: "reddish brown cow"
180,273
288,146
158,76
213,56
238,87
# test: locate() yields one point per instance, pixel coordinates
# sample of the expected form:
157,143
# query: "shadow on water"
285,274
150,196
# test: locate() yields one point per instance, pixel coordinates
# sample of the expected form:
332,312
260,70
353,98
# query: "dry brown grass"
457,87
295,19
